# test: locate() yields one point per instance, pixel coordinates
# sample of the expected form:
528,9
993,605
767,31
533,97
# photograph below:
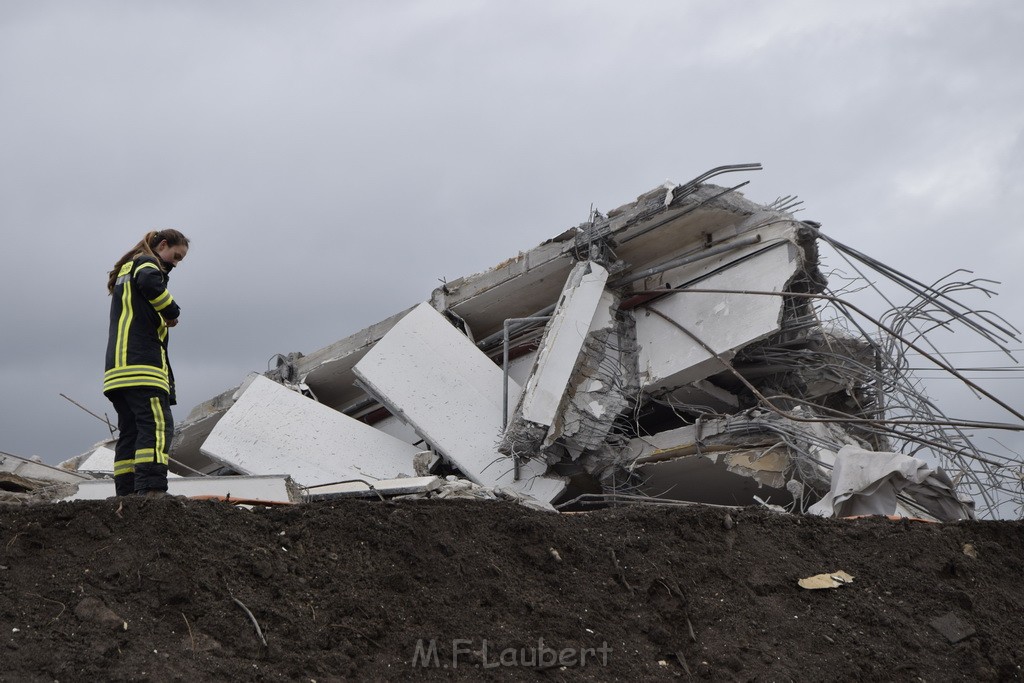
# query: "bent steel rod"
836,300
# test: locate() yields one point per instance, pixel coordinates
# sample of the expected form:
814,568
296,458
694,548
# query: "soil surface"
162,590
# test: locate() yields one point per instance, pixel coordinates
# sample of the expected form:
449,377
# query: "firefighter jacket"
137,345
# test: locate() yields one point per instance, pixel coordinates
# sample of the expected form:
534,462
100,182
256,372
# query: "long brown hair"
146,246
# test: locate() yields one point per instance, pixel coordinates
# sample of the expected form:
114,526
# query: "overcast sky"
331,161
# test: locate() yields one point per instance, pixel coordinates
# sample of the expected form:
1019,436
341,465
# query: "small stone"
92,609
953,627
727,522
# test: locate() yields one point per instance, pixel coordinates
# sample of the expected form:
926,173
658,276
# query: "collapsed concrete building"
683,348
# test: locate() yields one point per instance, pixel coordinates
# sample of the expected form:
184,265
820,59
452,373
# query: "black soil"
154,589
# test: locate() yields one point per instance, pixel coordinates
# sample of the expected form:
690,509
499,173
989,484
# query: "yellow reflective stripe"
144,456
126,370
145,264
123,323
161,426
124,467
162,301
137,382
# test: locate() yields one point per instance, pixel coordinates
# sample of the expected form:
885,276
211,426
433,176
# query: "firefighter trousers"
145,428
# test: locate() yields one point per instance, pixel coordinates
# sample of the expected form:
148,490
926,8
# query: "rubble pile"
685,347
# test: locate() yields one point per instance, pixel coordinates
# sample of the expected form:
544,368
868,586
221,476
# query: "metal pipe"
489,341
842,303
504,379
504,362
719,170
104,419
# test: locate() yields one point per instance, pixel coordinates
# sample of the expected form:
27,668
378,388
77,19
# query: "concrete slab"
432,376
32,469
274,487
272,429
101,461
671,358
574,317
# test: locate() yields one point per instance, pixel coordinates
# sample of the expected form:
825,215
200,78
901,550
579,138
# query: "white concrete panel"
726,322
392,426
433,377
267,487
567,330
37,470
271,429
100,460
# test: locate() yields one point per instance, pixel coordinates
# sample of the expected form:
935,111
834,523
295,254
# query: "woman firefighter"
138,378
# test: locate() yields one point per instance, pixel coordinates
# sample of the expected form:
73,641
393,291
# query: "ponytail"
145,247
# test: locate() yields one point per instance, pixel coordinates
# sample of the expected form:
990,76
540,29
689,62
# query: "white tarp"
867,483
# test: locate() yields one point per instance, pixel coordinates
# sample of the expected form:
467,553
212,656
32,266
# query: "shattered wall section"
584,309
603,388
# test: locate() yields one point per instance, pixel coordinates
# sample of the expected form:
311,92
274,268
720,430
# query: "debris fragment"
92,609
952,627
256,624
830,580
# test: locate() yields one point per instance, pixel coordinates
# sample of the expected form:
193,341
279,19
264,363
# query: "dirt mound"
162,589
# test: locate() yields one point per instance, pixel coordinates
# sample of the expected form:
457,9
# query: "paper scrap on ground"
830,580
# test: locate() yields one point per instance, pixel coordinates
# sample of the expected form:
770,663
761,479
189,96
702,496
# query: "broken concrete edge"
34,468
